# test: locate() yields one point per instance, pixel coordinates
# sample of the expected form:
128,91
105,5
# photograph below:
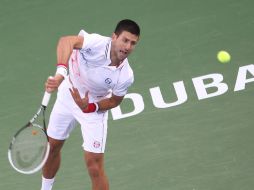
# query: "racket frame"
42,109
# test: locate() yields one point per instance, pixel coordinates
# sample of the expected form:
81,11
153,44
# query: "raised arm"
64,49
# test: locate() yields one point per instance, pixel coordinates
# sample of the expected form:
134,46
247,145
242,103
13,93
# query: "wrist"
62,69
91,107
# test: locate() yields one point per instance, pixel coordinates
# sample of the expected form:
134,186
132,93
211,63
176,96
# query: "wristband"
91,107
62,69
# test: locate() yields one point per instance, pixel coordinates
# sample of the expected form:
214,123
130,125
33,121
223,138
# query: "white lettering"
206,86
216,82
241,77
138,103
158,100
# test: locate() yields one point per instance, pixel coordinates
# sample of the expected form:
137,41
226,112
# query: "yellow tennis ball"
223,56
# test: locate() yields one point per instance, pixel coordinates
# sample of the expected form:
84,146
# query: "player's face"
123,44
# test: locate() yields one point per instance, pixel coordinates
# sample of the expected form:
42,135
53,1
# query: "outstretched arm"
102,105
109,103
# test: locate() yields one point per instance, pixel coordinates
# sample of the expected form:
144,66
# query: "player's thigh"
61,122
94,132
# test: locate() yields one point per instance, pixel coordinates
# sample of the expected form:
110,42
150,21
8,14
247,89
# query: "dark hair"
127,25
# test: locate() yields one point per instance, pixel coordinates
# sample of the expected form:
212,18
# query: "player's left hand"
81,102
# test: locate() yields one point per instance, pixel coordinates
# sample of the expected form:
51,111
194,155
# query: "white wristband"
97,106
62,71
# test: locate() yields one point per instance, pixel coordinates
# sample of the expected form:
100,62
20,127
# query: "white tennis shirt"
89,69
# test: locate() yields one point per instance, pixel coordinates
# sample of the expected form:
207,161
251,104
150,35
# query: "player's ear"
114,36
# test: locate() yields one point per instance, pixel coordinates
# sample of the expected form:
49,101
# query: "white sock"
47,184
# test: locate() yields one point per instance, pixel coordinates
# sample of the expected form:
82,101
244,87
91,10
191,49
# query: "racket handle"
46,96
45,99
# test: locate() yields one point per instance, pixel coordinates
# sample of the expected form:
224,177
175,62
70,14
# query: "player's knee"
94,171
55,146
94,164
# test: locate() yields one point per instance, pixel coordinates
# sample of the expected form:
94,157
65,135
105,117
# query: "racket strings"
29,148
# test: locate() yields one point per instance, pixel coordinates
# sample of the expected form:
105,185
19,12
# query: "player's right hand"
52,83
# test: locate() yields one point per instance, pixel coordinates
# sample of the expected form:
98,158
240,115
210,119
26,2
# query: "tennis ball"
223,56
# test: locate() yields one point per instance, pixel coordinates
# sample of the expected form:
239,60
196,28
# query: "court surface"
197,144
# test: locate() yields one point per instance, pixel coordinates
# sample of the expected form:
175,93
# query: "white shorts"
66,114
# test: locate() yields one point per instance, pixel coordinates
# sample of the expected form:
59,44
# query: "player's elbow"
71,41
63,39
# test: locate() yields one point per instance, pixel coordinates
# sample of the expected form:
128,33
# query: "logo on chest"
88,51
108,82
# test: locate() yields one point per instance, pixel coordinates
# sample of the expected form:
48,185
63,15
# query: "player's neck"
114,60
116,64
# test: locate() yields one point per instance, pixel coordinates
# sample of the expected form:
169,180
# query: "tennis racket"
29,148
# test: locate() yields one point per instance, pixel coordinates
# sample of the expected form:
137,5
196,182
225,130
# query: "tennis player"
97,80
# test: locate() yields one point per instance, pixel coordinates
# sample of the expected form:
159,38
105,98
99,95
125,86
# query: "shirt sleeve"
89,39
126,79
121,89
